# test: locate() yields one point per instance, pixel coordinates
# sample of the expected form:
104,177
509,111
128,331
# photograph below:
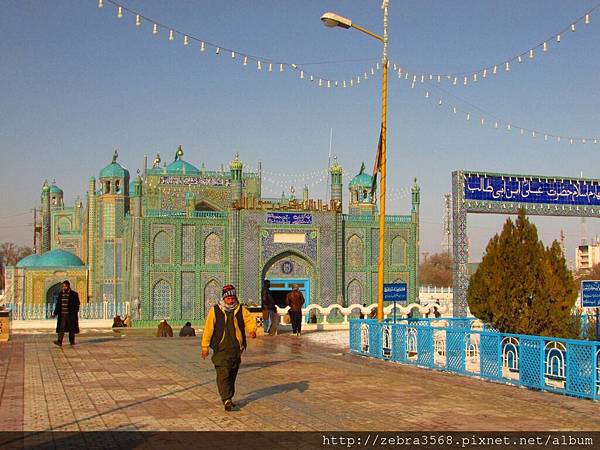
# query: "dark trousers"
296,319
227,364
64,324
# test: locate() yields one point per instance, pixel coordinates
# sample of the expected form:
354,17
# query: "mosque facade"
166,241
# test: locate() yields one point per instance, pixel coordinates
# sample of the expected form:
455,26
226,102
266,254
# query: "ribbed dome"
54,189
59,258
28,261
362,180
181,167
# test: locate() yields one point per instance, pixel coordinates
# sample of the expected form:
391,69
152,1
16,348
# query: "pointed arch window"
163,248
213,249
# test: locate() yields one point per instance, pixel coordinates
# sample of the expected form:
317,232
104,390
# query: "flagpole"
382,167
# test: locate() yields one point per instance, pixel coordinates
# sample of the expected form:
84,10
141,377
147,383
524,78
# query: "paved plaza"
140,382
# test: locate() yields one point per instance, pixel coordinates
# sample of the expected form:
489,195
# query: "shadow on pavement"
300,386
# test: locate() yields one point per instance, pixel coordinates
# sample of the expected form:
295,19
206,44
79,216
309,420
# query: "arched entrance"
288,269
52,297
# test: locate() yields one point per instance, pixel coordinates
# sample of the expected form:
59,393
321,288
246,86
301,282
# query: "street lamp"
334,20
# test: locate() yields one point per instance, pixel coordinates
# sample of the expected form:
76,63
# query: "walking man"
295,300
225,332
67,312
268,308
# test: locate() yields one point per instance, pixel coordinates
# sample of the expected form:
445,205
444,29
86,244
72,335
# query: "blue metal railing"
101,310
565,366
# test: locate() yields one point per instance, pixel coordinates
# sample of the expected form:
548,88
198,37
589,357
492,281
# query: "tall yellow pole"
383,162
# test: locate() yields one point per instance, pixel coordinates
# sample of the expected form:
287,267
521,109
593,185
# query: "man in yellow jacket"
225,332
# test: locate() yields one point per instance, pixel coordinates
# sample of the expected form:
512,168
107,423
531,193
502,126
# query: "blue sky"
76,82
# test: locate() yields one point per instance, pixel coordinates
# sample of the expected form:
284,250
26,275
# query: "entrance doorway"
51,298
281,286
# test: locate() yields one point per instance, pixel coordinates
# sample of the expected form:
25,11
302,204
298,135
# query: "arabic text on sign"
531,190
289,218
195,181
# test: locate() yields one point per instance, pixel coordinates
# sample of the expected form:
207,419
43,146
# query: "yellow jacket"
209,326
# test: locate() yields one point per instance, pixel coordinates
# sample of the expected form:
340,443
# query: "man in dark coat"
269,310
66,311
295,300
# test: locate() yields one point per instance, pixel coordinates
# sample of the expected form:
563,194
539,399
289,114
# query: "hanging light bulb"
281,67
186,40
508,127
171,35
587,19
519,59
546,137
496,125
302,74
454,110
573,27
522,131
482,121
507,66
531,54
259,65
440,102
430,77
558,37
455,81
571,141
558,139
376,66
344,83
120,12
320,82
232,55
533,134
154,29
584,141
545,47
412,85
270,67
439,79
358,80
395,66
494,70
595,141
337,83
245,60
474,77
465,81
427,94
218,50
468,116
328,83
365,75
422,78
484,73
100,3
138,20
352,82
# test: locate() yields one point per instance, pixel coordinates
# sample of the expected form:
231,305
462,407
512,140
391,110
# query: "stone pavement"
109,382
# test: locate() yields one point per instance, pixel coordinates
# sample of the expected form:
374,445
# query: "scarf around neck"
227,307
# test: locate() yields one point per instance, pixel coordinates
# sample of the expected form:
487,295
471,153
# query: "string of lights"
466,77
261,63
484,118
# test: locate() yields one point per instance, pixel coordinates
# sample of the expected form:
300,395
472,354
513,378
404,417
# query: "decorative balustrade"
564,366
100,310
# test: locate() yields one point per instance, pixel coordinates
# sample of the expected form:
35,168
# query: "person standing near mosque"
66,311
295,300
225,332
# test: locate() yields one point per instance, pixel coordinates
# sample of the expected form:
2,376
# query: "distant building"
167,240
587,256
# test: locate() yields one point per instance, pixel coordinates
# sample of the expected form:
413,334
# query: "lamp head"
334,20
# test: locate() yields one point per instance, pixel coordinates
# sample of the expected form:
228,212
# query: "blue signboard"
527,189
289,218
590,294
394,292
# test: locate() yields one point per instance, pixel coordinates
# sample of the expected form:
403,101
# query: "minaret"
336,184
46,219
305,197
235,167
92,235
136,240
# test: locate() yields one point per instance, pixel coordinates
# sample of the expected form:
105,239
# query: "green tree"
523,287
436,270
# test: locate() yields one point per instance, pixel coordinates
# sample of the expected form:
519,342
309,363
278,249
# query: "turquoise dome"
54,189
28,261
179,167
362,180
59,258
114,170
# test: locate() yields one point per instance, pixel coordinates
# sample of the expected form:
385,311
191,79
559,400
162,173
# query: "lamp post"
334,20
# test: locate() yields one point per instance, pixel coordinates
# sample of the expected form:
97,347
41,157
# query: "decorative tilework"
213,249
188,244
163,245
355,292
161,300
212,295
398,251
355,251
188,287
